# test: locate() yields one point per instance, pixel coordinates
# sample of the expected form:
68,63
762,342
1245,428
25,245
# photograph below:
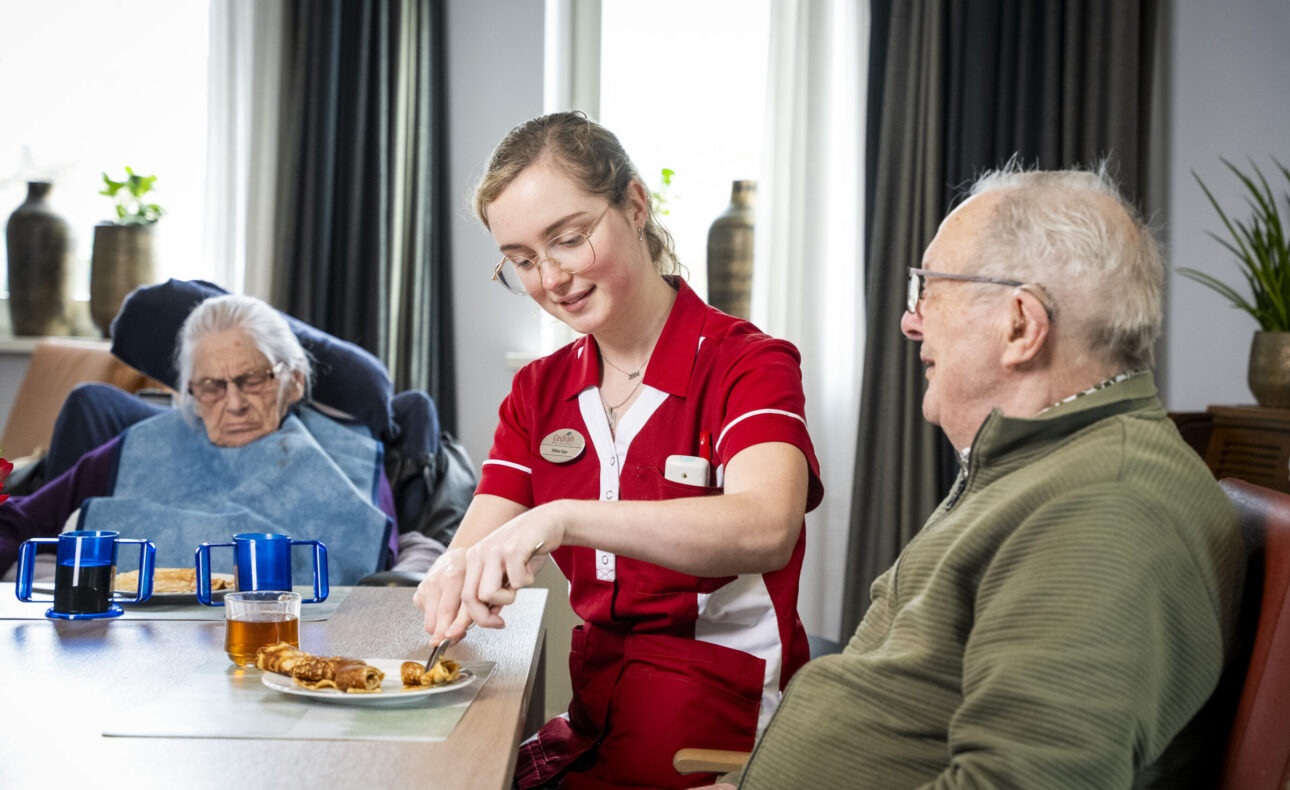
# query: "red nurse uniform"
663,660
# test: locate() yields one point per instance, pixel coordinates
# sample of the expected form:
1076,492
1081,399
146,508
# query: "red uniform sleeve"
764,403
508,472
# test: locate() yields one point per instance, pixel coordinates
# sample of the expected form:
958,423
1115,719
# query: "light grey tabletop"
64,680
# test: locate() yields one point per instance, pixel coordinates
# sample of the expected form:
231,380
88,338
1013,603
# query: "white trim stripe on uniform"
741,615
746,415
523,469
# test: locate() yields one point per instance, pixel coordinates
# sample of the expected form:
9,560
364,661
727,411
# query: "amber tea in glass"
256,619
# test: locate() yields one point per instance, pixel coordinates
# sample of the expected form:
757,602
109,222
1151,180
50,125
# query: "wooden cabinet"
1251,443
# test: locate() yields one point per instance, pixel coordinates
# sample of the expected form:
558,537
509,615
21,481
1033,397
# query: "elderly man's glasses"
918,286
571,252
254,383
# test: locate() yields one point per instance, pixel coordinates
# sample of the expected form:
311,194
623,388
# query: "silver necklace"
611,412
632,375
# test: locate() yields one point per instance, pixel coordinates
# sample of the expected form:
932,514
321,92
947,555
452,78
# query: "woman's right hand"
439,597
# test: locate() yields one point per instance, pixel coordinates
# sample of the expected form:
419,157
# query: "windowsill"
83,328
27,344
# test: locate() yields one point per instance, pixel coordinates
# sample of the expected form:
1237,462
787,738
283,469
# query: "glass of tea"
256,619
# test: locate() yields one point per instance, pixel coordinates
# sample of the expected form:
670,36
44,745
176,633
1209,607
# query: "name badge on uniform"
562,446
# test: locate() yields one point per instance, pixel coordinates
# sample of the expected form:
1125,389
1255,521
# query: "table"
1251,443
61,680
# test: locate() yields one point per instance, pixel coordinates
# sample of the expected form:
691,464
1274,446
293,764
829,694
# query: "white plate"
391,693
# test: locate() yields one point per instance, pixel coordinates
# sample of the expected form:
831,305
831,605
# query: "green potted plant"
1263,255
122,258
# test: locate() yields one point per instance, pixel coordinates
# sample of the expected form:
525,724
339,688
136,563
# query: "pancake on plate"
349,675
414,674
171,580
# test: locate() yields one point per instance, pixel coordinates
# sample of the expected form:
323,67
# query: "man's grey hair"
262,324
1101,268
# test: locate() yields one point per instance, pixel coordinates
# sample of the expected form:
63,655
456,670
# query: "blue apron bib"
312,479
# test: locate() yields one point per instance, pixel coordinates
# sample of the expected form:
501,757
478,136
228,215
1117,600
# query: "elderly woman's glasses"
571,252
918,286
254,383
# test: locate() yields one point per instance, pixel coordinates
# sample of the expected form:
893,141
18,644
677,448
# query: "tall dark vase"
730,253
122,260
39,244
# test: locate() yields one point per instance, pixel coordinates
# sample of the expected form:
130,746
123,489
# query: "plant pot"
730,253
1269,376
122,261
39,244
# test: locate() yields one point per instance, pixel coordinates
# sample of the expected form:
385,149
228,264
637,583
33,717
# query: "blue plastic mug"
83,576
262,562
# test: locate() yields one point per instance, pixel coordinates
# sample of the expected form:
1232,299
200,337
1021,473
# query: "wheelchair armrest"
391,579
693,761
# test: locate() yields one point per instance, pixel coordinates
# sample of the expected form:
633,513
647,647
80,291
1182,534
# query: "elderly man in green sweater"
1063,616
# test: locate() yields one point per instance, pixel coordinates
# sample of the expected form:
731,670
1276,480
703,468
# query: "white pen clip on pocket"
690,470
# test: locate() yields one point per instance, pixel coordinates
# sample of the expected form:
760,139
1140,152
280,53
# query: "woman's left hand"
508,560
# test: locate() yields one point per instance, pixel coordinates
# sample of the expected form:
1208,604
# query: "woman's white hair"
262,324
1073,233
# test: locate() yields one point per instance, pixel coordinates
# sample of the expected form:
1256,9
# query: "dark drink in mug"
84,588
243,637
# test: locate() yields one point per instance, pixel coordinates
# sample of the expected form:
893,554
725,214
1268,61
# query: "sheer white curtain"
808,285
242,137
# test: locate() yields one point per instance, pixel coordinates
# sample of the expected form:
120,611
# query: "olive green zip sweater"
1055,624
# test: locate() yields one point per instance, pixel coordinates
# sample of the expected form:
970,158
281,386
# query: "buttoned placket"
612,449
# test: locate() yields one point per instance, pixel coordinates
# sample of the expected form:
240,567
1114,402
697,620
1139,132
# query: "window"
683,85
96,85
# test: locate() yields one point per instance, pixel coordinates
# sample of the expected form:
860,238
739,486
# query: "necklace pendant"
633,376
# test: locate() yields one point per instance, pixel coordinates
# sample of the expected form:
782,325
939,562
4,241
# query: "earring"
640,234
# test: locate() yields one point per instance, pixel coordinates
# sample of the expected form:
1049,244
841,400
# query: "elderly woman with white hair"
241,453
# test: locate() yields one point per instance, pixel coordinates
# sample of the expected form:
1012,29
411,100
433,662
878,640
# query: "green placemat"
220,700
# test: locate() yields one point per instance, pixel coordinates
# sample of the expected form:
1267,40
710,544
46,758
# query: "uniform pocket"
675,693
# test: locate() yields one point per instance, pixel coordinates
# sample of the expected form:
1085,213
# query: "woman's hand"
439,596
508,560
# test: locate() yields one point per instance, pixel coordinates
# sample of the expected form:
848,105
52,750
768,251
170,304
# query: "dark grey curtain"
958,87
362,219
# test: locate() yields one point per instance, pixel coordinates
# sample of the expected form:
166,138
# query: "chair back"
1258,747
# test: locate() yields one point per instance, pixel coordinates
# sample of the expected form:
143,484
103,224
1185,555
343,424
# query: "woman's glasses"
571,252
254,383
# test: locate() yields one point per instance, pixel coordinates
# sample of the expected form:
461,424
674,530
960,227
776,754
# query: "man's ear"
1028,331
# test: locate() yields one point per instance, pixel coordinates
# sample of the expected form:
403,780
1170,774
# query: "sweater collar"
999,435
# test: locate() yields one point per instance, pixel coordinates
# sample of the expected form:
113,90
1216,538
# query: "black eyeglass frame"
236,381
918,286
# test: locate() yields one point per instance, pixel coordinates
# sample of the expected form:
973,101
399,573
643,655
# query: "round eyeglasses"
917,287
571,252
256,382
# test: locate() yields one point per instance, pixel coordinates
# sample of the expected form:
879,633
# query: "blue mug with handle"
262,562
84,574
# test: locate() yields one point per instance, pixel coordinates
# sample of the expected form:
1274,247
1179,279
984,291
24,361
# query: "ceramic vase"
122,260
730,252
39,245
1269,375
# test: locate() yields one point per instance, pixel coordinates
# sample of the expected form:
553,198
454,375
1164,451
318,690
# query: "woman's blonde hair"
588,153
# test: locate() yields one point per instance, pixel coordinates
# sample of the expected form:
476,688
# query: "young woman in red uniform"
686,579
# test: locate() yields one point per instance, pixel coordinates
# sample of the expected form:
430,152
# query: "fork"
437,651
